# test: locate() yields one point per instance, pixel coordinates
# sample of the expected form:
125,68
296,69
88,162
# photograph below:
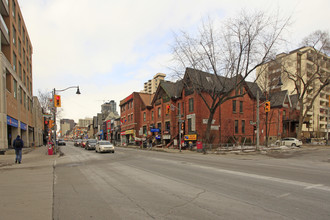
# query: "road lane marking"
305,185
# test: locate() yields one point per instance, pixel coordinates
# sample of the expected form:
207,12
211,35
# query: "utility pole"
258,121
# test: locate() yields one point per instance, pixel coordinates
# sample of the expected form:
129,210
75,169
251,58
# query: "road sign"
253,123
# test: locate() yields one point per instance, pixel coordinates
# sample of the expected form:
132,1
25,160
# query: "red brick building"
158,116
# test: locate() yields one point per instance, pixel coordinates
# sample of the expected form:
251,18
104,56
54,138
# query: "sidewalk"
26,189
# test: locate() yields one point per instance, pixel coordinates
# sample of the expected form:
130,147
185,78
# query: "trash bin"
50,151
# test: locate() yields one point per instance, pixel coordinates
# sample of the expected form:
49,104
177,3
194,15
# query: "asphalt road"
142,184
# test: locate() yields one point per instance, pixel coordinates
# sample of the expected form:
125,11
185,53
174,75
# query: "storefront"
12,130
128,137
190,139
166,137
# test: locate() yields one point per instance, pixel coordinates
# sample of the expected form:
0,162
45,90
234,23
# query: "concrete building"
304,63
85,122
16,98
66,125
151,86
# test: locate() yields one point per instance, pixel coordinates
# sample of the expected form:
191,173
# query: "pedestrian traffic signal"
168,109
267,106
57,101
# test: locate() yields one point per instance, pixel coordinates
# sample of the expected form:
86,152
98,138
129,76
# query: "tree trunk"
208,127
301,120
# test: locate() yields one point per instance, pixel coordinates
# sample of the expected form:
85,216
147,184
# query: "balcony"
4,7
4,31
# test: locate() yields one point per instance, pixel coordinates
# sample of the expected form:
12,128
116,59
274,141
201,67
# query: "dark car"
77,142
90,144
61,142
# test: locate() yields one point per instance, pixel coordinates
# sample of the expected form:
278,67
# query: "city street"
142,184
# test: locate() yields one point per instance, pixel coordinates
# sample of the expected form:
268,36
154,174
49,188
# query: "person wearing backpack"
18,145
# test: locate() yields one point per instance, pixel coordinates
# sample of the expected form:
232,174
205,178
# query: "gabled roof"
278,99
146,98
172,89
254,88
294,100
206,81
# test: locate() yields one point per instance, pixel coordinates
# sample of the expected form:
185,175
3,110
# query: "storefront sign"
158,137
191,137
122,133
23,126
12,122
166,132
154,130
166,137
129,132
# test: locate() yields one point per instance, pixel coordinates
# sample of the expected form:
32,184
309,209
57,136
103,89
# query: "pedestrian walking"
18,145
150,143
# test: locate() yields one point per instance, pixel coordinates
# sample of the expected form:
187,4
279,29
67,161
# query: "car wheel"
293,145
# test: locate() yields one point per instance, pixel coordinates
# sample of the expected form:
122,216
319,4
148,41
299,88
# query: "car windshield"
92,141
104,143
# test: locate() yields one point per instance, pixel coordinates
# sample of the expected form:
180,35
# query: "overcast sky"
110,48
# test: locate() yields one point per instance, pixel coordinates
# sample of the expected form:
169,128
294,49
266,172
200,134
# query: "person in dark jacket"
18,145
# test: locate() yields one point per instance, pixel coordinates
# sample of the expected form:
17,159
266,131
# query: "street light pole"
55,109
258,121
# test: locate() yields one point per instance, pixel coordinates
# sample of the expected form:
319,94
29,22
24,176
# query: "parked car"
61,142
290,142
104,146
77,142
90,144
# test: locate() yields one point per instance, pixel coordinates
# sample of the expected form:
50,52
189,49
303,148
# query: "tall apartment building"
150,87
16,98
108,107
303,62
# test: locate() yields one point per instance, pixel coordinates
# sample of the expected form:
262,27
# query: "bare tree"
46,103
231,53
309,84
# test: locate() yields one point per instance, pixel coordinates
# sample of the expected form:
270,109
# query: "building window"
24,97
159,126
14,9
144,116
21,95
182,108
15,63
128,118
167,125
234,106
19,24
131,117
159,112
145,130
191,105
14,36
8,82
152,115
236,126
241,106
189,125
243,127
179,109
15,89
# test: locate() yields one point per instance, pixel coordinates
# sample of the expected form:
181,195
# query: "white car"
104,146
290,142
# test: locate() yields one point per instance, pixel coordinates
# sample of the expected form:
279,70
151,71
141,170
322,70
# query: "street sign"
253,123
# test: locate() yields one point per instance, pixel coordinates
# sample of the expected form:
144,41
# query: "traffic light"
267,106
168,108
51,123
57,101
182,126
